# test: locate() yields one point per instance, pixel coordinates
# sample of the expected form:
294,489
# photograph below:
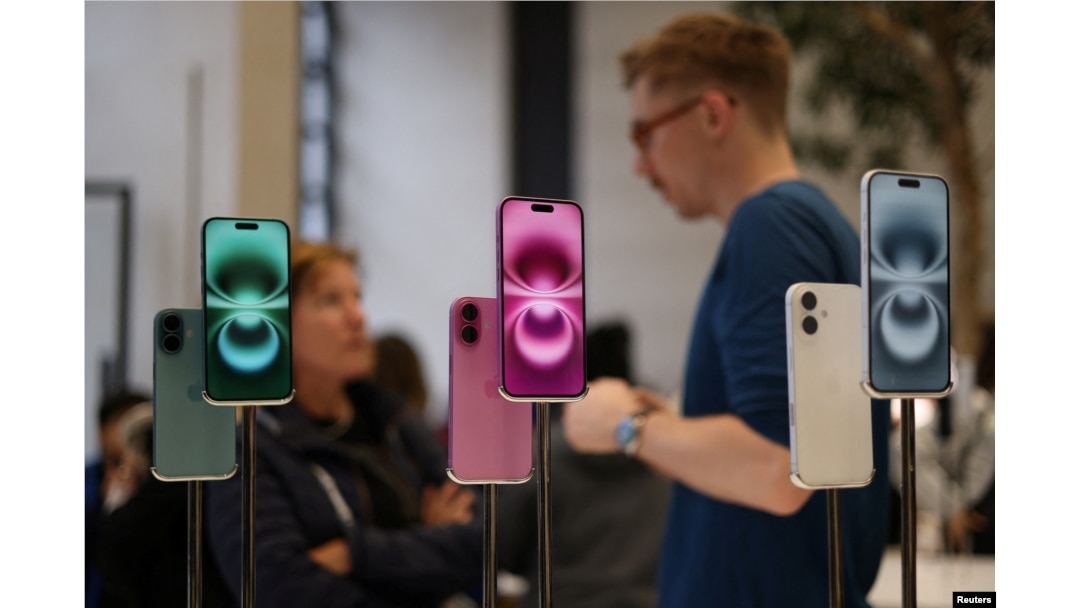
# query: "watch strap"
628,434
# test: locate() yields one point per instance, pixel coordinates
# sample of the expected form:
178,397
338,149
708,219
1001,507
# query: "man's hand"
590,423
651,400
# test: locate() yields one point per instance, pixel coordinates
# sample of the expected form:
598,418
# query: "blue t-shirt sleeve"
771,244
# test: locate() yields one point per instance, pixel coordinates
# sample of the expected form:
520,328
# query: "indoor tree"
906,73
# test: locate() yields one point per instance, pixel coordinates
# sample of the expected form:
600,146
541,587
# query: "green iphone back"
192,439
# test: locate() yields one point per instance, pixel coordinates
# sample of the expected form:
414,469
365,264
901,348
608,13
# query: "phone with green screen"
247,311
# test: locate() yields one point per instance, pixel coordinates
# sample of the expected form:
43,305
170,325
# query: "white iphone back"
829,414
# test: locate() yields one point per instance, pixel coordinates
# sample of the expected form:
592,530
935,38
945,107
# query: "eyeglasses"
641,132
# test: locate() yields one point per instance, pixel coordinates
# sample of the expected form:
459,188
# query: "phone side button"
791,414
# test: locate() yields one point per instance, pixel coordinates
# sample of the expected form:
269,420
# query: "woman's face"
330,339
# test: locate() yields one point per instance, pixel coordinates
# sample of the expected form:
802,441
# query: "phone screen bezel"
875,183
500,282
286,322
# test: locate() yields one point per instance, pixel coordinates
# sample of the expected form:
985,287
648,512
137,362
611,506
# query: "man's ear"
718,112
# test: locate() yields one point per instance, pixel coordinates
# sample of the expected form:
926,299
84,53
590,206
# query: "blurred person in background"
954,462
398,369
354,506
708,96
142,531
111,475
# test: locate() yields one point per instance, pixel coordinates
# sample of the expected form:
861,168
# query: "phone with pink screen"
490,440
541,297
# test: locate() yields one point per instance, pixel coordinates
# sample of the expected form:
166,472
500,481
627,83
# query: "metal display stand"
836,553
543,485
247,490
194,534
194,557
491,571
543,498
908,508
907,502
247,507
543,492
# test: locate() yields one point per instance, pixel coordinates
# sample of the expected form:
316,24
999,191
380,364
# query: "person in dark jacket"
352,504
142,528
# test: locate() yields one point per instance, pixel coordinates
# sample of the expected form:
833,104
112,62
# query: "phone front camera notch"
542,208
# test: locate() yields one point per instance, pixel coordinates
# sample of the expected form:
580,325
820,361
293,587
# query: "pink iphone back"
490,438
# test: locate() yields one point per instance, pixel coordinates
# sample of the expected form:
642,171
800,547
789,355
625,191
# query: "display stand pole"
836,552
543,495
194,557
491,505
247,506
907,502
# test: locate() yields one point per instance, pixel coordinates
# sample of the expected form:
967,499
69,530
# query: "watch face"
625,432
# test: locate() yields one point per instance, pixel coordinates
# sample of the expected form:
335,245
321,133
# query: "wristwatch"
628,433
